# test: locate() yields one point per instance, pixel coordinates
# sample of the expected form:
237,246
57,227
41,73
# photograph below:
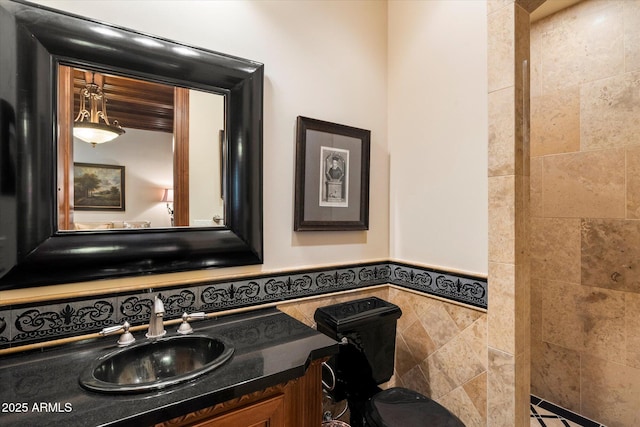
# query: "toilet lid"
401,407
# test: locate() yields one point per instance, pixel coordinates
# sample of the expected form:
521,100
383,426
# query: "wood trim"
65,147
266,413
302,404
224,407
134,103
181,157
304,398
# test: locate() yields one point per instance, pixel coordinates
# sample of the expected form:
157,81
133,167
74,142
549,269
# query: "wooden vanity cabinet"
296,403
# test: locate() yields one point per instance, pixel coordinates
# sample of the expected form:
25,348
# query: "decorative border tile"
282,288
377,274
5,328
336,280
178,301
53,321
33,323
134,308
224,295
466,289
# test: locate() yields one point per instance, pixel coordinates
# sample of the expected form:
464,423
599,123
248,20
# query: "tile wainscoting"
441,347
33,323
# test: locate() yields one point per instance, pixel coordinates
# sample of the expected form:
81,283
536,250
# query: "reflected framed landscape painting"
332,176
98,187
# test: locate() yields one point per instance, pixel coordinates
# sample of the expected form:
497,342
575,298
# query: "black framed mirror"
33,252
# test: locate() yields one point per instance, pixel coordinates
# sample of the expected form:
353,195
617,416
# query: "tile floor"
543,414
546,414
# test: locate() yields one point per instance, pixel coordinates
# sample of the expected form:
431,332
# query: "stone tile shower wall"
508,366
585,207
441,348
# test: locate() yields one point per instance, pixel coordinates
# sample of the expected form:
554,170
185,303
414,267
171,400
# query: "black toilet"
367,331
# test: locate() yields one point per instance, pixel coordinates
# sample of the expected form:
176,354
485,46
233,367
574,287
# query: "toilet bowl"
366,329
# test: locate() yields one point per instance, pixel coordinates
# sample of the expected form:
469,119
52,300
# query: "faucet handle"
185,328
125,339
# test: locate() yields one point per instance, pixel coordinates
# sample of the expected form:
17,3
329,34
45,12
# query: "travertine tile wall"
441,348
508,365
585,207
441,351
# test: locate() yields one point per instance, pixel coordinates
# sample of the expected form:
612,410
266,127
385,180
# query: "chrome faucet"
156,326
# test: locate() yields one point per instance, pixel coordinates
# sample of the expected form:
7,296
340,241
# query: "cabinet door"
265,413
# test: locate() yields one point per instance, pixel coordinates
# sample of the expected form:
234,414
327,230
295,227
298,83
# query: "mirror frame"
36,39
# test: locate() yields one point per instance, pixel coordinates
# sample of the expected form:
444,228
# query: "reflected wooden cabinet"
296,403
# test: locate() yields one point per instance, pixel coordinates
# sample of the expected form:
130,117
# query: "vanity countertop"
42,389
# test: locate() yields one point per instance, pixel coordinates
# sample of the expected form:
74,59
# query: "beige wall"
147,158
331,63
206,120
438,133
585,147
421,84
438,126
329,60
325,60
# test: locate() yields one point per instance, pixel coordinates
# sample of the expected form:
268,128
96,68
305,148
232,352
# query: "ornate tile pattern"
34,323
469,290
5,328
136,308
229,294
546,414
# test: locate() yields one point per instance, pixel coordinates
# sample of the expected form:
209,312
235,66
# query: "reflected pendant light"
92,123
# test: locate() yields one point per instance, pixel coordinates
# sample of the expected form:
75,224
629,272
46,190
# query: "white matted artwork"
334,177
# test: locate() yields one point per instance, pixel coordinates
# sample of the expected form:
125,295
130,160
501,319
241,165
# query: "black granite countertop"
41,388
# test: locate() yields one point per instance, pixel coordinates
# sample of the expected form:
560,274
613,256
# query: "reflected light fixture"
92,123
168,198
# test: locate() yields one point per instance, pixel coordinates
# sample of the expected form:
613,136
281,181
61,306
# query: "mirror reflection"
137,154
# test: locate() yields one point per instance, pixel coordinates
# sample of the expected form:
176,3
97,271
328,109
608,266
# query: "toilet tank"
369,325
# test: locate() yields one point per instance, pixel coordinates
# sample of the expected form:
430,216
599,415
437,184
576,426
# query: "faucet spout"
156,325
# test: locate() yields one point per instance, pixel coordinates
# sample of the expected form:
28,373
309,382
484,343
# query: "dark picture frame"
98,187
332,176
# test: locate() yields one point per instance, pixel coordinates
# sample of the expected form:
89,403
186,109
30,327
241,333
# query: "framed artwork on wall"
332,176
98,187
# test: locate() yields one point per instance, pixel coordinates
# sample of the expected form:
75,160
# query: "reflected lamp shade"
92,124
96,133
168,195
